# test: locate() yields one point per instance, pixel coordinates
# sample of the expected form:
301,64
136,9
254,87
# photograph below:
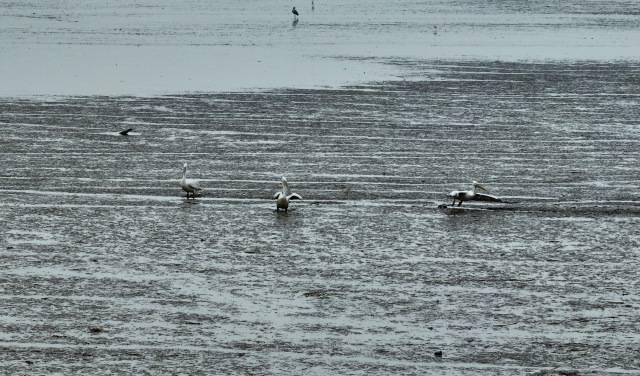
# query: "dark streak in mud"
107,269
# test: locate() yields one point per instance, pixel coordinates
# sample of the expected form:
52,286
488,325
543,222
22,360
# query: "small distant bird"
189,185
283,197
295,12
126,132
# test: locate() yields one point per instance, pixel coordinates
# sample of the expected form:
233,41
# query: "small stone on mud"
9,247
29,362
96,329
438,354
569,373
316,294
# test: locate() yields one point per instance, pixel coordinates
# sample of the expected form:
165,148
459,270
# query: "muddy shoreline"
107,268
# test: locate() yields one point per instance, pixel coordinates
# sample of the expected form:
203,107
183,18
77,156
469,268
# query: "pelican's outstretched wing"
484,197
277,195
294,196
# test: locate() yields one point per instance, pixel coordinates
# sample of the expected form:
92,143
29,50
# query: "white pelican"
472,195
282,197
189,185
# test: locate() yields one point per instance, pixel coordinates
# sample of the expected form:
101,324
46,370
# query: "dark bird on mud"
472,195
189,185
126,132
295,12
282,197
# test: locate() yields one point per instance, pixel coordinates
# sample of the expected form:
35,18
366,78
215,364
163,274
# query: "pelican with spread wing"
282,197
472,195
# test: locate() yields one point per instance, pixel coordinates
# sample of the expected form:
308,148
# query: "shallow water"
108,269
167,47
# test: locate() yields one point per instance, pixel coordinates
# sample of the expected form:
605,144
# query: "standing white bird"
189,185
472,195
282,197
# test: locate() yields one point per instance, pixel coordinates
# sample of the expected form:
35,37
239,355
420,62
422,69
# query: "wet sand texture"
107,269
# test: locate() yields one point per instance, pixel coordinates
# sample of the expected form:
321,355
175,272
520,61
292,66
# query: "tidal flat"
108,269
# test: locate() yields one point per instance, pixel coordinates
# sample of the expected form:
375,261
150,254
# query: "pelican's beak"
478,185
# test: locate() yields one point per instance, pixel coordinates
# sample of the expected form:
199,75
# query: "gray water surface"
373,113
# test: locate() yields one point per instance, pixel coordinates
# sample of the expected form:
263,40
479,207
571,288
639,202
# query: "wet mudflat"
108,269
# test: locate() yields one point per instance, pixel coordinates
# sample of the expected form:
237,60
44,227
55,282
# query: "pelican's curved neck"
285,188
184,173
